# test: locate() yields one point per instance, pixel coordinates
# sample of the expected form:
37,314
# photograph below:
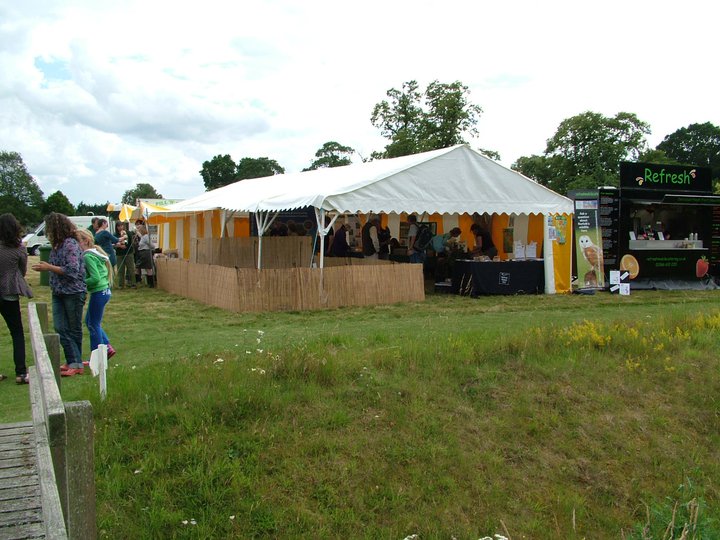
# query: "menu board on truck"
609,217
715,238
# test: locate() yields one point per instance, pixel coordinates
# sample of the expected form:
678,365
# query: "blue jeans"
417,257
67,312
93,318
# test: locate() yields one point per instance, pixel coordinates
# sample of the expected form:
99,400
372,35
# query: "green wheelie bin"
45,256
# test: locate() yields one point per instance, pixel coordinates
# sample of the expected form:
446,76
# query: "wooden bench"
61,475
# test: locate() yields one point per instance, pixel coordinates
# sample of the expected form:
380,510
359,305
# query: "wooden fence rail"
64,439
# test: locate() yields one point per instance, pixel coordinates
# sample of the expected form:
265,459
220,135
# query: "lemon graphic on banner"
631,264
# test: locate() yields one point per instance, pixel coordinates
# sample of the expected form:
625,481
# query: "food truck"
661,228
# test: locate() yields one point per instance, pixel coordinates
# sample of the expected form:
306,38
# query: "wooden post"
53,518
42,312
80,470
52,343
57,442
53,408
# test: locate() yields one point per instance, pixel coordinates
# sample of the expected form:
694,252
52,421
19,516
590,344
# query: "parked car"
34,240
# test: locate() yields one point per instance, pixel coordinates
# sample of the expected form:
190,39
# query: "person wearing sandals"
13,266
98,278
67,285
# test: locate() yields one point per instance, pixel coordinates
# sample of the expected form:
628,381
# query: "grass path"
551,416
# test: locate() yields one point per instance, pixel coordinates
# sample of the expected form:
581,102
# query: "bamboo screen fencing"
291,289
241,252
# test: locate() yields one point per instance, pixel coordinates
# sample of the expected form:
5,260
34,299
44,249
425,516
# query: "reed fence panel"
291,289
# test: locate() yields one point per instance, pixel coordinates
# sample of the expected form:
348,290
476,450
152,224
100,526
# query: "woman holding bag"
13,266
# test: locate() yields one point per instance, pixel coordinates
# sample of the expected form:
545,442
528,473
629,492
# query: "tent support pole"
263,222
260,220
322,231
226,219
548,258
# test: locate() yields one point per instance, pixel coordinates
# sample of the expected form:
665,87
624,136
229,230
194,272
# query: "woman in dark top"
13,266
339,246
483,241
106,240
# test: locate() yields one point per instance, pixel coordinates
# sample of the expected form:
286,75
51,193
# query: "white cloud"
98,96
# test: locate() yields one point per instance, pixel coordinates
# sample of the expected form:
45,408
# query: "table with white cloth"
498,277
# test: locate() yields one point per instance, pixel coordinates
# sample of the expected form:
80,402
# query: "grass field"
530,417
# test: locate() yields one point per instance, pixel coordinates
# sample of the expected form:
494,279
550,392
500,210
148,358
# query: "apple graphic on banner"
701,267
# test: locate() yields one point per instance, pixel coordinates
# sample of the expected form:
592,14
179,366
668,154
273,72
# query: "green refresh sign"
662,177
668,178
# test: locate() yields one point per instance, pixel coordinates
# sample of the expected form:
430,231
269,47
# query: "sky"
98,96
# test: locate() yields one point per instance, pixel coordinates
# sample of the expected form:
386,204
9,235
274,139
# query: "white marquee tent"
456,179
452,180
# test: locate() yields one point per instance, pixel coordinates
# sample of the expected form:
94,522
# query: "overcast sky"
98,96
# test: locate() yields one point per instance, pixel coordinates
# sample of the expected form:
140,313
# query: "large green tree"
697,144
19,192
58,202
218,172
140,191
257,168
416,121
331,154
99,209
586,151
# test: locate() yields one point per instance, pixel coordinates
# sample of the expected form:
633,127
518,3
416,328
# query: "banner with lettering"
588,244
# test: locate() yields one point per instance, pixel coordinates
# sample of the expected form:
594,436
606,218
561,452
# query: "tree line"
585,151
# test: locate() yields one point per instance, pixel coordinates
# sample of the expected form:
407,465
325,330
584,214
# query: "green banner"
588,244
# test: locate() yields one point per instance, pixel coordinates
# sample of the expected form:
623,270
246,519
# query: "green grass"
551,417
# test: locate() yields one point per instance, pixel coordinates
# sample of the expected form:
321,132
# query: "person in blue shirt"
106,240
441,245
441,242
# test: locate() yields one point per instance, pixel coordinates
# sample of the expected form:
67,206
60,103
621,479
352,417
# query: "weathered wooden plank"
10,435
16,435
53,511
12,463
81,470
52,401
20,516
28,503
13,472
41,308
16,425
52,343
20,492
23,532
13,442
48,410
26,453
16,444
19,481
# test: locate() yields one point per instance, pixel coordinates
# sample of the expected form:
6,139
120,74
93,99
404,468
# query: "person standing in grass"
67,284
415,255
370,242
13,266
98,278
125,255
106,240
144,251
